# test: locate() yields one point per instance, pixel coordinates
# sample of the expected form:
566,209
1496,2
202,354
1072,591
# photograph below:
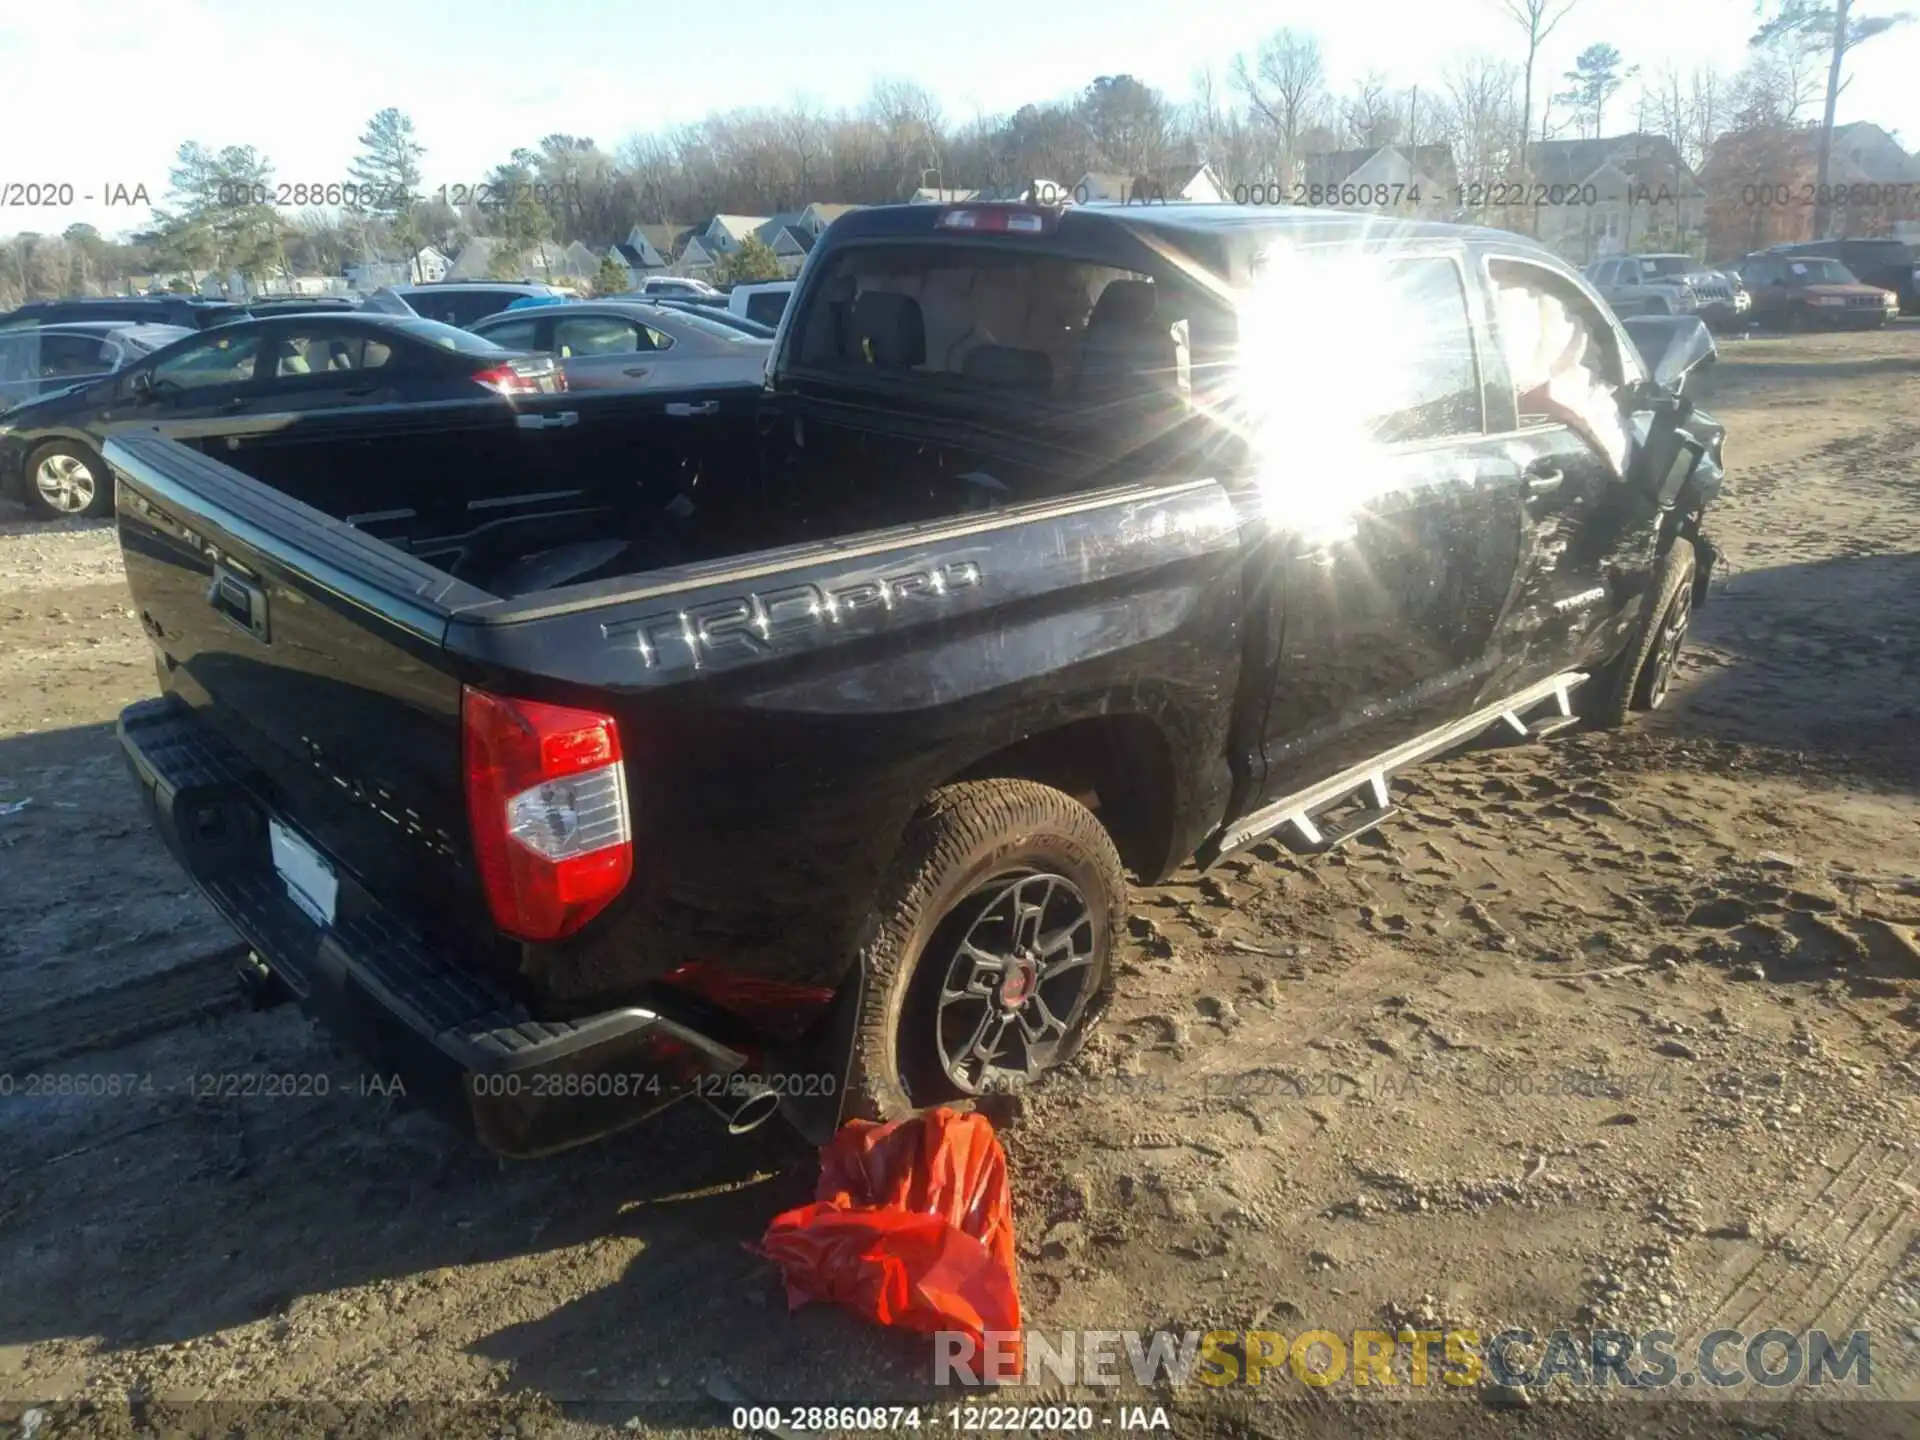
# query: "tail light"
998,219
516,380
547,800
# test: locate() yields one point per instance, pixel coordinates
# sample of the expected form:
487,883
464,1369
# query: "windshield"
448,337
1672,264
1820,272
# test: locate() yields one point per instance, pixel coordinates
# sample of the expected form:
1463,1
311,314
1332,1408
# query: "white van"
764,303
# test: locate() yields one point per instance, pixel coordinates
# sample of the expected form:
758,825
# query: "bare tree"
1284,82
1836,30
1706,104
1478,115
1537,20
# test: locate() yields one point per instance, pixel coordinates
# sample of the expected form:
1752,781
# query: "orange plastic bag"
911,1225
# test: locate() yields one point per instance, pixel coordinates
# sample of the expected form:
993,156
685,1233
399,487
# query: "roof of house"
794,236
738,226
1330,167
474,260
1642,158
636,258
828,212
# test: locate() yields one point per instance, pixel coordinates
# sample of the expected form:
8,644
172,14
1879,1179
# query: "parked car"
457,303
190,312
622,345
765,303
1887,264
38,359
1668,285
789,748
1793,292
719,316
249,372
676,287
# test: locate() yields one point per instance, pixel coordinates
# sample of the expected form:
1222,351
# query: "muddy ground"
1616,1029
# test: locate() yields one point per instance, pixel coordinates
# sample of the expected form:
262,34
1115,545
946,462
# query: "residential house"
422,269
791,245
724,234
695,259
816,217
474,262
1168,184
1760,184
1612,196
1412,181
647,250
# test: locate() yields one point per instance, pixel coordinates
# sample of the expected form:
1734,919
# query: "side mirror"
1672,347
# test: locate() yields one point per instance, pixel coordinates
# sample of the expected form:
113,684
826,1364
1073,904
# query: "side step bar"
1365,784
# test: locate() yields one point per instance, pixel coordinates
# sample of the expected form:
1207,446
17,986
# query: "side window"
656,339
65,355
327,351
579,336
221,360
514,335
1564,361
1428,383
1604,272
16,357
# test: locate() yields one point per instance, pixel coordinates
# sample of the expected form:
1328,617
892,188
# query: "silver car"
631,345
37,360
1667,285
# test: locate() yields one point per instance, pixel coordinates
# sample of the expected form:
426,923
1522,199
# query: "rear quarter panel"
785,717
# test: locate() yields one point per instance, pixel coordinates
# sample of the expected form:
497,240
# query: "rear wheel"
1640,677
991,953
66,478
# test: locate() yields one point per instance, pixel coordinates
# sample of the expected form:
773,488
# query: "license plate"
310,881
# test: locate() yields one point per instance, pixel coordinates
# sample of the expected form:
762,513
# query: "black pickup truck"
788,745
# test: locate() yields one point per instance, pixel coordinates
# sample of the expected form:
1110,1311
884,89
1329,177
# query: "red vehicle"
1806,292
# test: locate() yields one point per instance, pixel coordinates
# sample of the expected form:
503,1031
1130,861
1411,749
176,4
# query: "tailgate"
317,655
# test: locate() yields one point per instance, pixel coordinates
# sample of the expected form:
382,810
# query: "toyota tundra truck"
789,744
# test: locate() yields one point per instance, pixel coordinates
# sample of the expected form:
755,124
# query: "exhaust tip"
753,1112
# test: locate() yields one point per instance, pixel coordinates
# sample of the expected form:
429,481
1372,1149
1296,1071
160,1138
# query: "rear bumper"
521,1086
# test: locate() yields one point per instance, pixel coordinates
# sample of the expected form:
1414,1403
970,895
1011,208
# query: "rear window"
972,318
768,306
447,337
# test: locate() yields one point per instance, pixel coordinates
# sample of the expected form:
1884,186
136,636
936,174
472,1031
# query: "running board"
1370,779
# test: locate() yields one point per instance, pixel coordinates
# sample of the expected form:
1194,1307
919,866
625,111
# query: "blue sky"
482,76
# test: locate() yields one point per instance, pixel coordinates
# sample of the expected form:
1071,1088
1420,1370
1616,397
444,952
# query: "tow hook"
259,986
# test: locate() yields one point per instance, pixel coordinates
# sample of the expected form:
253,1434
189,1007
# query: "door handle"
547,422
238,402
240,601
705,407
637,370
361,389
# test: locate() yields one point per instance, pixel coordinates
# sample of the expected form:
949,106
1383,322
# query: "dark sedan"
36,360
50,448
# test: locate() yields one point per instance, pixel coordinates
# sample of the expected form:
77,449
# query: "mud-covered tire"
1636,679
969,844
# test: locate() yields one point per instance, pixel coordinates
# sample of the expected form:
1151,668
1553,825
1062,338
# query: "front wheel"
65,479
990,954
1640,677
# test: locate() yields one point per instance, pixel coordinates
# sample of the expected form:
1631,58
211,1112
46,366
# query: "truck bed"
792,668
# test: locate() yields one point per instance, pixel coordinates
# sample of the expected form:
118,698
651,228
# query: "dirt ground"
1616,1029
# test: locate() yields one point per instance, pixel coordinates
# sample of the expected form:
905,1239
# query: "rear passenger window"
971,319
767,307
1430,379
